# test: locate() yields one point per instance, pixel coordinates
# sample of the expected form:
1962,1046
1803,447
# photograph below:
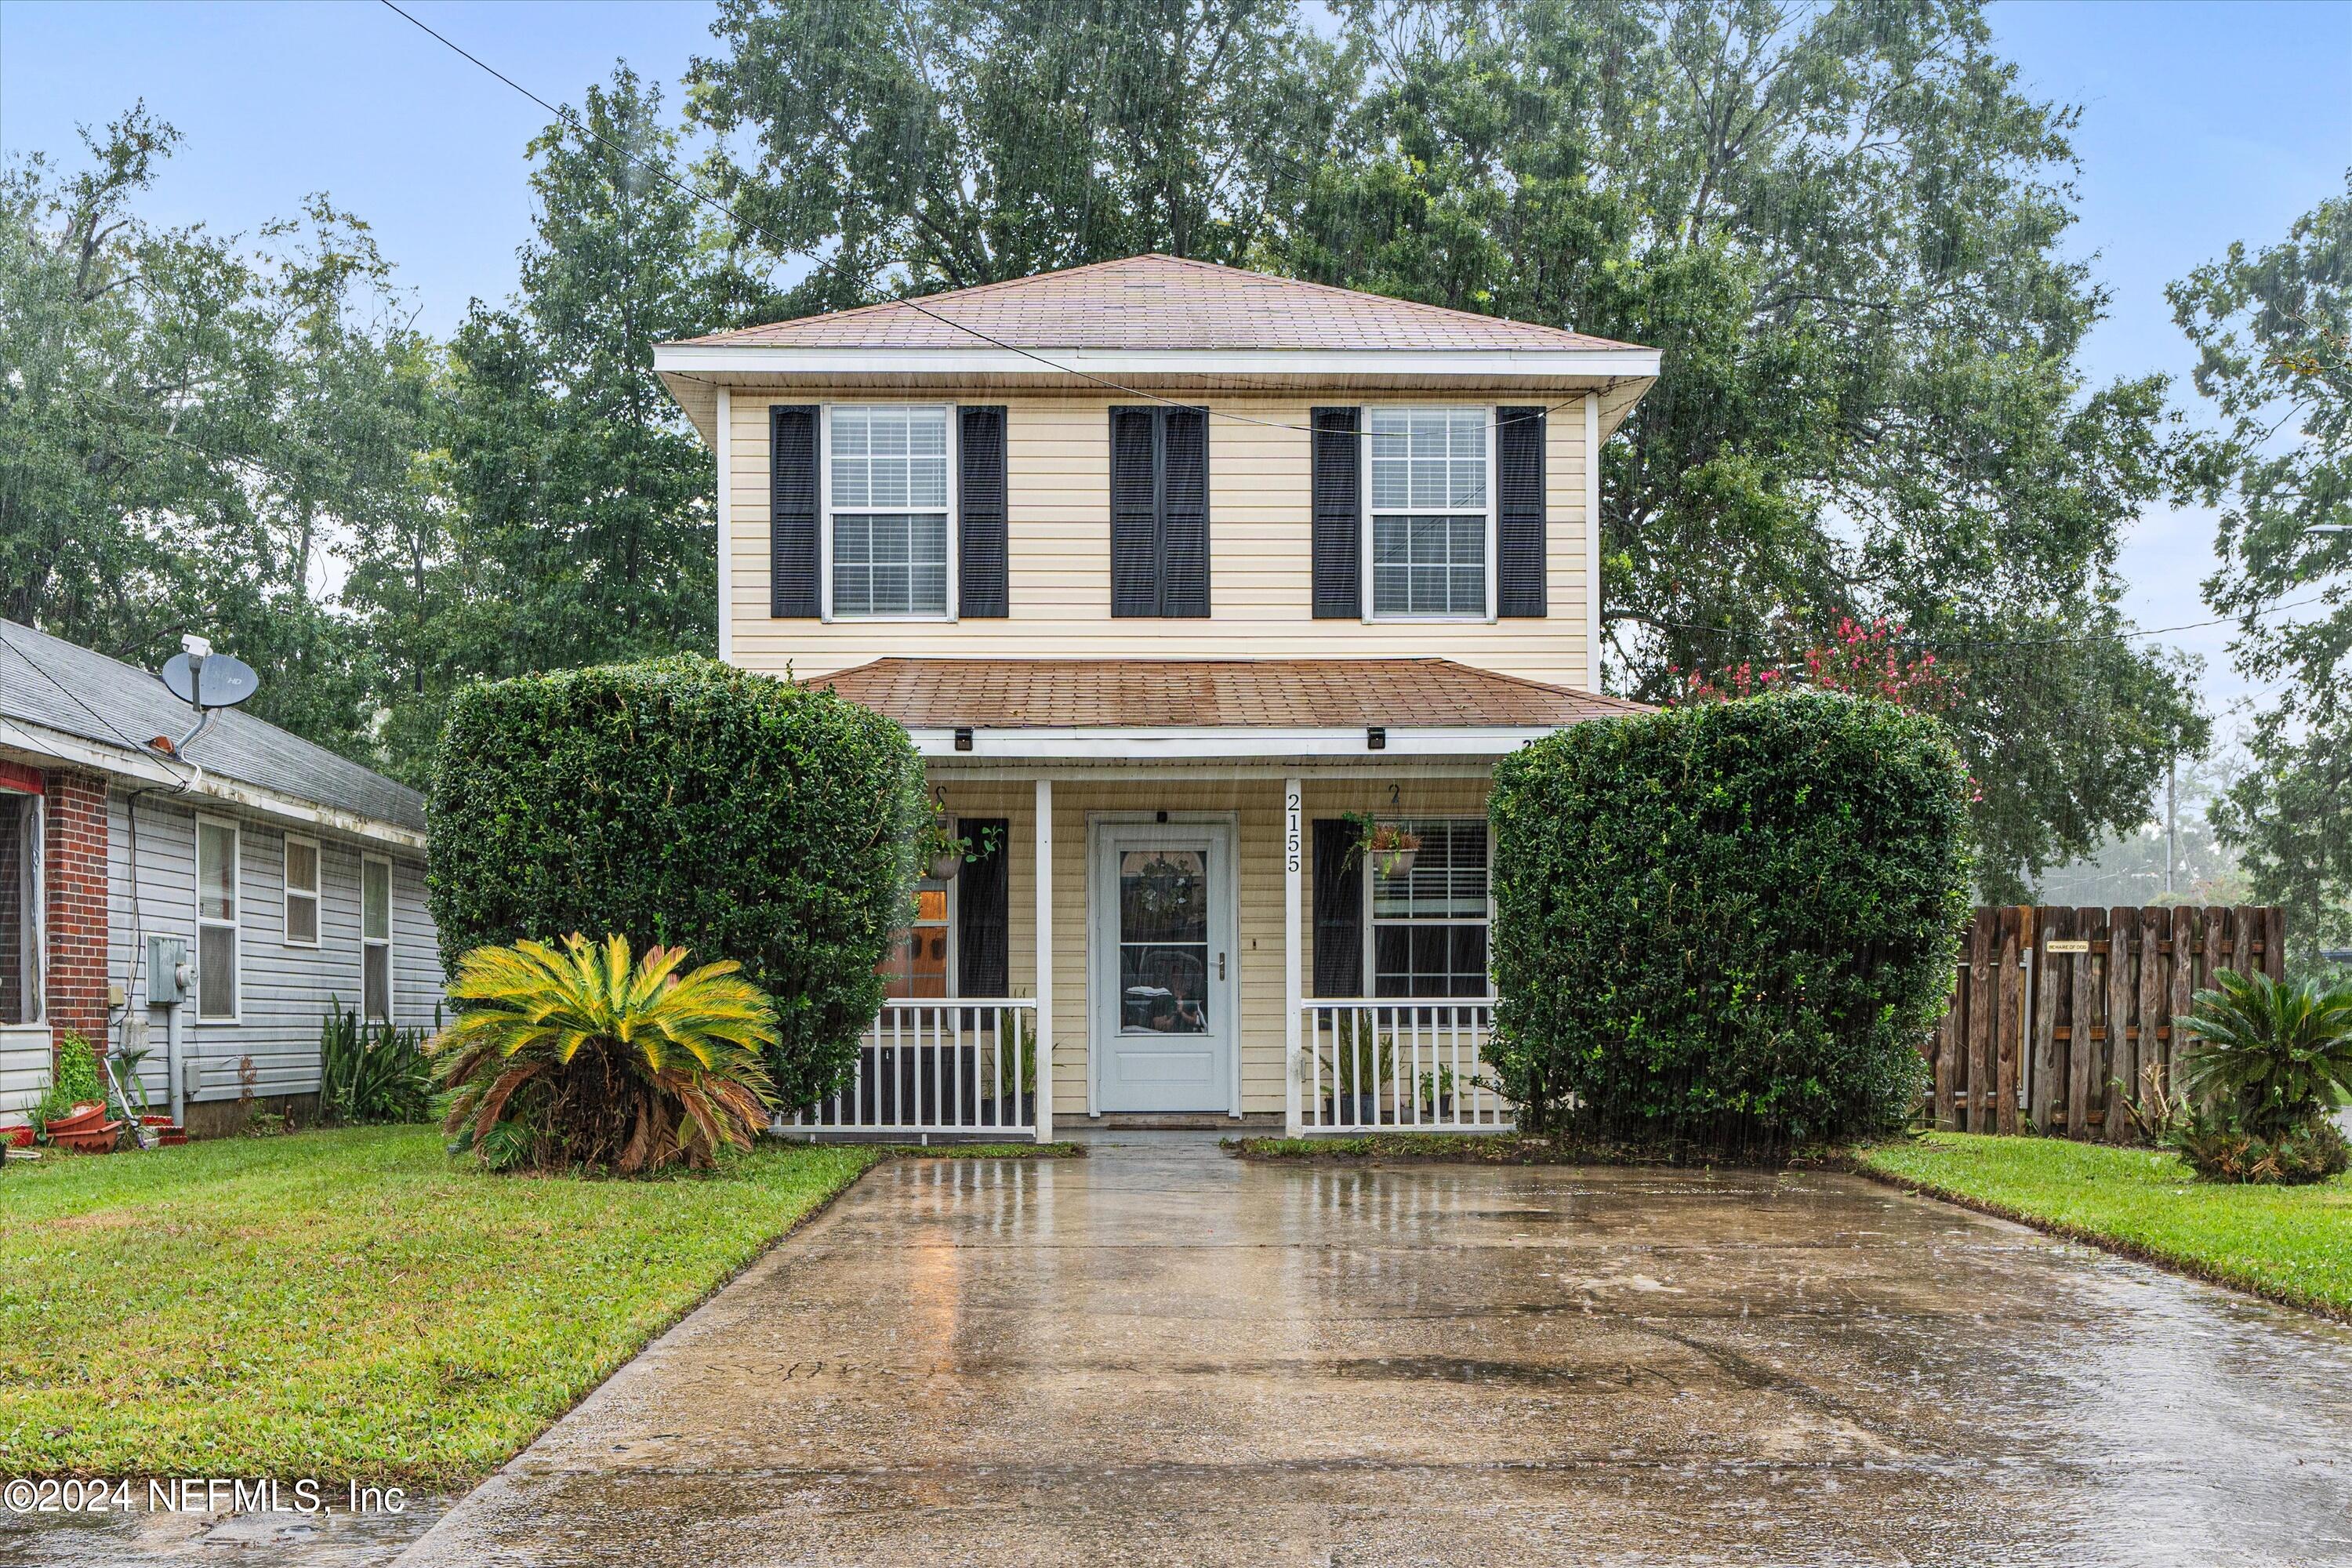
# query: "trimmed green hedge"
1728,924
686,802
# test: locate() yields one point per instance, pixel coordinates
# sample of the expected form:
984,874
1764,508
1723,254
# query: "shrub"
580,1057
371,1075
2267,1056
2220,1150
1729,925
75,1082
691,803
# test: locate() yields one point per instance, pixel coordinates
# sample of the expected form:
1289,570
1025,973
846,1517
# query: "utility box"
167,959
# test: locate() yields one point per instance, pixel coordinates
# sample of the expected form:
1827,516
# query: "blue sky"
2202,124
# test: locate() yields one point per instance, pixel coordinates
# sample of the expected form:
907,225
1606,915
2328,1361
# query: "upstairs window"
1428,935
888,503
1429,510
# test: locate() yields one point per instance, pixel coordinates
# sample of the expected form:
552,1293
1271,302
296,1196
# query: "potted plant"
943,852
1437,1092
1391,846
1017,1051
1363,1061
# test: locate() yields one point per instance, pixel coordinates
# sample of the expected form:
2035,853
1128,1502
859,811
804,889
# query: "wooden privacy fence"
2057,1015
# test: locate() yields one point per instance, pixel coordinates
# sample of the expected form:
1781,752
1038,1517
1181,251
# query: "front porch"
1175,914
1181,910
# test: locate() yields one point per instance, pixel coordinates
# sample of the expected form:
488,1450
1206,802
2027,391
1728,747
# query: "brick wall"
74,866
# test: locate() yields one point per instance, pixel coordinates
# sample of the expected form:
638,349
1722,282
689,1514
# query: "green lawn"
346,1304
2293,1244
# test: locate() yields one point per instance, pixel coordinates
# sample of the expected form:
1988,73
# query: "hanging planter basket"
944,866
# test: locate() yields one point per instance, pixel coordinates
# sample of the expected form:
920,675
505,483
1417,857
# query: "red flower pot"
81,1117
18,1137
97,1140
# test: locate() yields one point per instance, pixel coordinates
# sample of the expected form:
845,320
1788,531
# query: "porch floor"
1159,1354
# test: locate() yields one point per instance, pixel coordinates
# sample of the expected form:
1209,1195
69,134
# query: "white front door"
1160,963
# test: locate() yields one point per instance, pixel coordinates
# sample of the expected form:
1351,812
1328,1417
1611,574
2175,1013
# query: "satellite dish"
210,680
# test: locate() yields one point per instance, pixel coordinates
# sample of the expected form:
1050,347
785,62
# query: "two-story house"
1187,582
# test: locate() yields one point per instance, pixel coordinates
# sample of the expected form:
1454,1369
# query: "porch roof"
1194,694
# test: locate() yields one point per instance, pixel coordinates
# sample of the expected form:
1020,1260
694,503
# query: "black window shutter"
1159,511
983,912
792,511
1338,909
1184,512
1338,510
1520,565
983,590
1134,512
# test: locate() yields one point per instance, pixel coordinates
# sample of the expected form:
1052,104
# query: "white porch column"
1593,541
1044,946
725,508
1293,858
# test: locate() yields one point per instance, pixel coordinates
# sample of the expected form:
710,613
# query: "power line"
75,700
697,194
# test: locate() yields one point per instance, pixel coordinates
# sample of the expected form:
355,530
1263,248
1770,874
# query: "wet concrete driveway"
1162,1355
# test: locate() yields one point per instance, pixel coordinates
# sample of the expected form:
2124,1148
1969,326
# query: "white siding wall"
283,992
1058,461
24,1052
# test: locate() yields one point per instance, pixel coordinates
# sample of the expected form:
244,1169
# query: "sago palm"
583,1056
2272,1056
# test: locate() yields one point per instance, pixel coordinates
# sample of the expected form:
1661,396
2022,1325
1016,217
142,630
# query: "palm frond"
625,1063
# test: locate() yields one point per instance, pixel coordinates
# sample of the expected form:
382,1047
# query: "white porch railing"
959,1066
1381,1065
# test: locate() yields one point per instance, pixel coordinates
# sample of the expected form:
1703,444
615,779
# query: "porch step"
1180,1121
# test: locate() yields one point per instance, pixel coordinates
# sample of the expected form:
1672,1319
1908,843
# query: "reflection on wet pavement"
1162,1355
165,1540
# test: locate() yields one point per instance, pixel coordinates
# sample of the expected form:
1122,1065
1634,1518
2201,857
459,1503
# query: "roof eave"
38,744
1616,363
1230,742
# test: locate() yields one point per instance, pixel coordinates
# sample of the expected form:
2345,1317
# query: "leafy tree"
188,428
949,142
575,522
2273,333
1841,225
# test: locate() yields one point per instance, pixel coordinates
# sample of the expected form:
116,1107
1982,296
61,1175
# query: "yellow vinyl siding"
1058,453
1255,804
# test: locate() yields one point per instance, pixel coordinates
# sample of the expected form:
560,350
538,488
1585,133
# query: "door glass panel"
1163,941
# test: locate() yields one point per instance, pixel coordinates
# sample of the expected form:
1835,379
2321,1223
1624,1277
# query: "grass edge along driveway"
2291,1245
347,1305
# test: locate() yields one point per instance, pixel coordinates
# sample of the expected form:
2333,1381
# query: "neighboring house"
1169,569
293,876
